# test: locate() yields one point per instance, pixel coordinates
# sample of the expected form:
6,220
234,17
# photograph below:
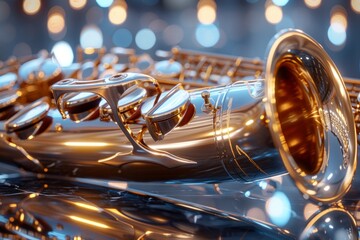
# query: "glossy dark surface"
45,208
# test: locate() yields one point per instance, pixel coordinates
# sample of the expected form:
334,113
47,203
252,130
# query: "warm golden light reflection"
177,145
309,210
118,13
33,195
87,206
118,185
224,130
89,222
86,144
22,217
225,133
13,205
117,212
338,16
89,51
77,4
56,20
206,13
310,192
249,122
166,235
56,23
312,3
273,14
355,5
31,7
295,142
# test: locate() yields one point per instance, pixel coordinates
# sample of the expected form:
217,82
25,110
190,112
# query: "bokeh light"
63,53
206,14
176,22
157,25
273,14
173,35
145,39
280,3
278,209
31,7
339,16
104,3
312,3
206,11
4,10
337,34
56,20
207,35
338,25
355,5
77,4
117,13
91,37
122,38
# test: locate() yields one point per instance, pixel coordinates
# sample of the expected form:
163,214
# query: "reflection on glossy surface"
332,223
337,148
35,208
8,98
167,68
28,116
7,81
36,76
279,209
58,208
298,105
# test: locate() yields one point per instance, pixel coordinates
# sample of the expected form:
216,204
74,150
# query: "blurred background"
234,27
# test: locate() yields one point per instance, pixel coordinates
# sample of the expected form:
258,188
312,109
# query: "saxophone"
294,116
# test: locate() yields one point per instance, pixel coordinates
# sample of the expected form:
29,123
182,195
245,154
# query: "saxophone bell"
310,115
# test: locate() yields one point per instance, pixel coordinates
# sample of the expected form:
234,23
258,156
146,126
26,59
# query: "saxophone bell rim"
335,216
319,185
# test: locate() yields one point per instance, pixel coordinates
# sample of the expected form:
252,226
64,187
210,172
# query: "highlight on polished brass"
320,105
297,120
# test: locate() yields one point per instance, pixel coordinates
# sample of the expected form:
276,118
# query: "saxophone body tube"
228,141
